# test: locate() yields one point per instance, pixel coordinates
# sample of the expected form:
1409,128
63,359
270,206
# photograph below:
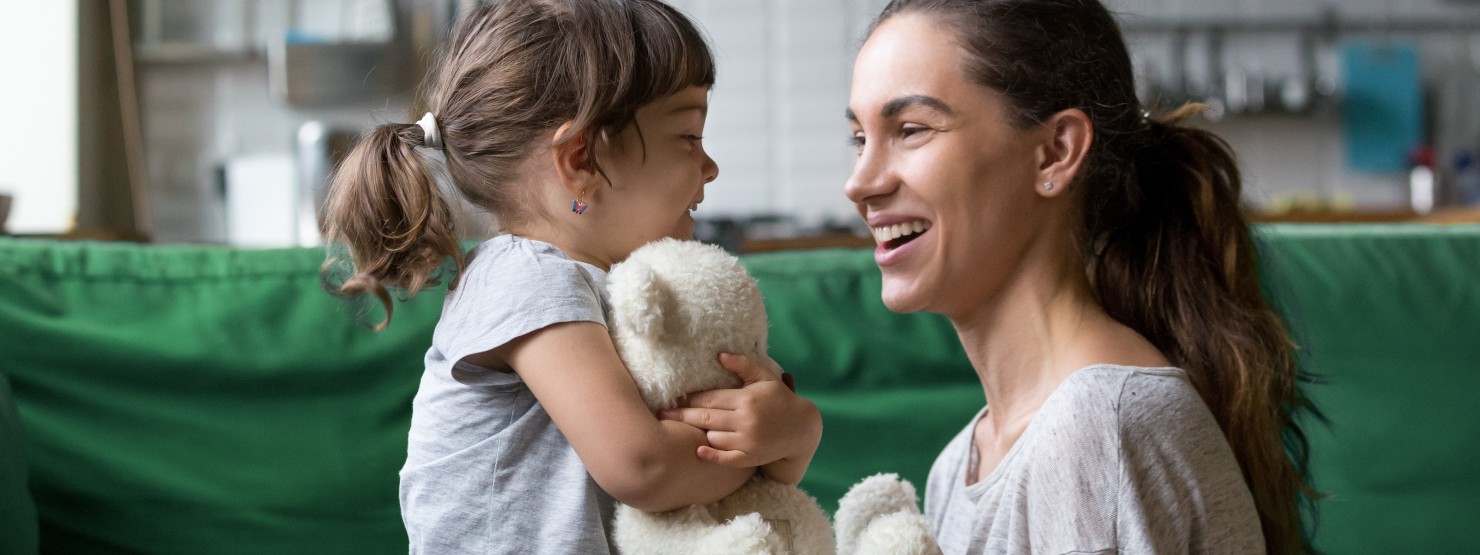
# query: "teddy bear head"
675,306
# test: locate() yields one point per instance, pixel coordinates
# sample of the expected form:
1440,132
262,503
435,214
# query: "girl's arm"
763,423
574,371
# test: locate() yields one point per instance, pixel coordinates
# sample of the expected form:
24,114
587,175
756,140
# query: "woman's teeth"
883,234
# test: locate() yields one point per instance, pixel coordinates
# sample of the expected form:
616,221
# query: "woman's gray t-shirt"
486,469
1118,460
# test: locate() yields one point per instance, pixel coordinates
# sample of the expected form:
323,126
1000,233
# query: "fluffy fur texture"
675,306
880,515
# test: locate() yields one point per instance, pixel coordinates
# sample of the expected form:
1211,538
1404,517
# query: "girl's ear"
1070,135
573,162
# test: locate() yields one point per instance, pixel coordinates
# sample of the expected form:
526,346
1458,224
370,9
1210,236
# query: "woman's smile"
897,237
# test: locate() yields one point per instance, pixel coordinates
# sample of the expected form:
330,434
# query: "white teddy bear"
675,306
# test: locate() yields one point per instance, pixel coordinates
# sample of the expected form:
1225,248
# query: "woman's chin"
901,297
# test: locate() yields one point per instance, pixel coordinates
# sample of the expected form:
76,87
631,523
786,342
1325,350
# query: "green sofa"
174,399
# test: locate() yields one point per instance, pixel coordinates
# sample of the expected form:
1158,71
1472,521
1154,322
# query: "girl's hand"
763,423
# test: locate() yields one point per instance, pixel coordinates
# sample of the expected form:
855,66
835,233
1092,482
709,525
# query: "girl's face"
944,182
657,178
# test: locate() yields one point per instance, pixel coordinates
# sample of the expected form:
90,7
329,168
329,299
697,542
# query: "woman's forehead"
910,62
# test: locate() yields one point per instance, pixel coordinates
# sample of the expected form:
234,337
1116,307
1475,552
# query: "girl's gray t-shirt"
1118,460
486,469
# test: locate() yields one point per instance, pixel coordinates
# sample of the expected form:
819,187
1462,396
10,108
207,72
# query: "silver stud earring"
1048,185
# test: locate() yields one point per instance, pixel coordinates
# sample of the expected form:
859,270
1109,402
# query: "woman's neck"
1025,341
1040,328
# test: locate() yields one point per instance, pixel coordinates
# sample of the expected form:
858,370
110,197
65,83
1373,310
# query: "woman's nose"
870,177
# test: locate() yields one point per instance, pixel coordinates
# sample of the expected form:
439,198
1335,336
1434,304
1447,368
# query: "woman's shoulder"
1137,413
1111,387
1114,402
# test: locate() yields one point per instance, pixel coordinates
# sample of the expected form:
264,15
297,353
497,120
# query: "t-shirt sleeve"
1070,489
1180,487
504,297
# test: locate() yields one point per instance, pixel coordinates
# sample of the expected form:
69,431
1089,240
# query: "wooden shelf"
840,241
1456,215
1462,215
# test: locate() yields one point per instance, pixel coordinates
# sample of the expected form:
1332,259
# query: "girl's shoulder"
511,250
507,260
515,271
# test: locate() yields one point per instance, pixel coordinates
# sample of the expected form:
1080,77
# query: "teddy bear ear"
639,298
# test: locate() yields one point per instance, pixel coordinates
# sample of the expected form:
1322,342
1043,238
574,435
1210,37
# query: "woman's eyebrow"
897,105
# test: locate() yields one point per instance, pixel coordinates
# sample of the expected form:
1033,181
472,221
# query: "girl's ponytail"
1172,256
511,75
387,210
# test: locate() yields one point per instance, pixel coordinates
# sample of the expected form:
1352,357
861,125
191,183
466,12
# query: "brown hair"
515,69
1166,243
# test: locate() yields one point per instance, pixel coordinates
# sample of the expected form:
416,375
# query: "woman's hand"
763,423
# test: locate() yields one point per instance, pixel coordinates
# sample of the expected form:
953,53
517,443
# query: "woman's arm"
574,371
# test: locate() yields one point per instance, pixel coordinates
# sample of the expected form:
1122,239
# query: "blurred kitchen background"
219,121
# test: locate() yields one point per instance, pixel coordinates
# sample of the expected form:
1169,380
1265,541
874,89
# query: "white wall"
38,150
776,122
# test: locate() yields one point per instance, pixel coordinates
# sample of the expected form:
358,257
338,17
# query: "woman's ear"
1070,135
573,162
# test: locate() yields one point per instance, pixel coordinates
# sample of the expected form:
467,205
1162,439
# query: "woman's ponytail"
387,210
1172,256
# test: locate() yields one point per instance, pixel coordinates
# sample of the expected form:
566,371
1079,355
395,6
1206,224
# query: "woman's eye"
911,130
856,141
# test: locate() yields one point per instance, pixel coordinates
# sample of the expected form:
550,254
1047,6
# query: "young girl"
577,124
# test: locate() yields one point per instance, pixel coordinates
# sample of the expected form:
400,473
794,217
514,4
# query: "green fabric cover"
1388,320
205,400
197,399
17,510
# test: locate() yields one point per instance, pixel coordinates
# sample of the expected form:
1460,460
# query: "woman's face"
939,163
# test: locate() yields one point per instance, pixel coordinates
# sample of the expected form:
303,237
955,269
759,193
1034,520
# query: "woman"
1100,274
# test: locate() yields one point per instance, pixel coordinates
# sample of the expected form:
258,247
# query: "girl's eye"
692,138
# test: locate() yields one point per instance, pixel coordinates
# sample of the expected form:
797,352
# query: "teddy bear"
881,515
674,306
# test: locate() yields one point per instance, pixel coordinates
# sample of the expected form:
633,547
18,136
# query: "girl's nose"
711,169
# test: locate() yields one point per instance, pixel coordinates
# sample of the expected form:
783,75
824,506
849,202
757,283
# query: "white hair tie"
431,137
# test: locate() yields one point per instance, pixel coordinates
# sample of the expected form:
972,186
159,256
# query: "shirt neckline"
977,489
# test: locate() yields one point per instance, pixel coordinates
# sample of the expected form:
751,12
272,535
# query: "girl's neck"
566,241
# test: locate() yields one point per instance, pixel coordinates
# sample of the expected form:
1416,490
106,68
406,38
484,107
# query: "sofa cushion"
1387,318
17,509
198,399
205,400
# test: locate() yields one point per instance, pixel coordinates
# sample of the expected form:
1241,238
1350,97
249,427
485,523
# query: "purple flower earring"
579,205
